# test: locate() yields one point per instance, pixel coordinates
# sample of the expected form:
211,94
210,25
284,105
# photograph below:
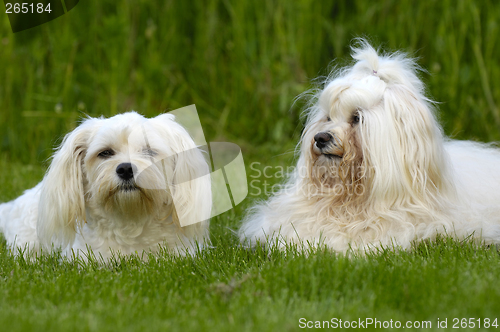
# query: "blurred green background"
241,62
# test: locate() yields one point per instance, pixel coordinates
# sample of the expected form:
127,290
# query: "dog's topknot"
392,68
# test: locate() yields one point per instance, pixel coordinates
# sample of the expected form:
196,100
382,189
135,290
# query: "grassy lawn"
242,63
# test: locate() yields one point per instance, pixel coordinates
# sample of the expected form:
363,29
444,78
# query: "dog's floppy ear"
419,139
62,204
190,183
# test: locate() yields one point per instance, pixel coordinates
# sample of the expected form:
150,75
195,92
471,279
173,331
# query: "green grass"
228,288
242,63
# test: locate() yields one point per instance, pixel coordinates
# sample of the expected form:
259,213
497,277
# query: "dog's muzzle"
327,145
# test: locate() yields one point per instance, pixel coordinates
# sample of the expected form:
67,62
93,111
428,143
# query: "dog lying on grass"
375,169
117,185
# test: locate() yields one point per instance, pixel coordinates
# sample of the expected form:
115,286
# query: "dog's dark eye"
355,119
328,118
106,153
150,152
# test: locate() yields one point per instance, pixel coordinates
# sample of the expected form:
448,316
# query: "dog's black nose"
322,139
125,171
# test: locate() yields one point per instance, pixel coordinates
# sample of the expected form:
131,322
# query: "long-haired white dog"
117,185
375,169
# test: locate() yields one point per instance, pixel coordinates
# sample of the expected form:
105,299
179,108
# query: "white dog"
375,169
117,185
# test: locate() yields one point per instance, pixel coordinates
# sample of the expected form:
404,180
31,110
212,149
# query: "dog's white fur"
386,178
83,204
